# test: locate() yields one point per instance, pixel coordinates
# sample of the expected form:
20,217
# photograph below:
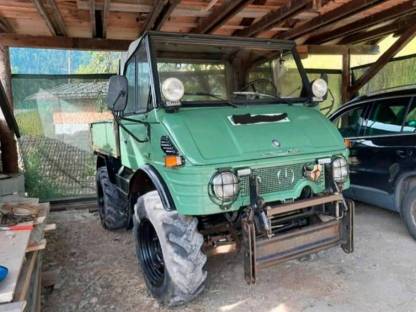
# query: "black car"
381,132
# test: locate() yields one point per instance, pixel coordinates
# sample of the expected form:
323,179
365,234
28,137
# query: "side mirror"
117,93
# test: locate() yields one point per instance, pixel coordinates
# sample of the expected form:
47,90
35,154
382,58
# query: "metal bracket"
249,247
347,228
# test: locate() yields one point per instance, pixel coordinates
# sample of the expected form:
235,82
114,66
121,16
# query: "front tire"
168,247
112,208
408,212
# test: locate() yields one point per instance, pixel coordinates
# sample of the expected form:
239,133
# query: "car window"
350,122
131,79
387,116
410,121
143,80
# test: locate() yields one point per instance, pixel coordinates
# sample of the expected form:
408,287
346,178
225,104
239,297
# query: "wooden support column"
382,60
346,75
8,145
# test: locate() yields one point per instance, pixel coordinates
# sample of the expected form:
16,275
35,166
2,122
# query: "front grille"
276,179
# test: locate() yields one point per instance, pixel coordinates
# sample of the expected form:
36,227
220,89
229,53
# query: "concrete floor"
98,272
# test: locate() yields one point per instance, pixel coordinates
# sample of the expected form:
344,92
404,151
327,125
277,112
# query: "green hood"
208,136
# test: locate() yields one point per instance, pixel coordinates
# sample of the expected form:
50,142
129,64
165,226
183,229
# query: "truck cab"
216,145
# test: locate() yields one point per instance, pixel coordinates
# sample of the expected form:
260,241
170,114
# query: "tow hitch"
263,247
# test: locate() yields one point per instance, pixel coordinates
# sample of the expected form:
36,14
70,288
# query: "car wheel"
168,247
408,212
112,207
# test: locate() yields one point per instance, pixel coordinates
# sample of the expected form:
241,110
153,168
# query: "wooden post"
346,75
8,145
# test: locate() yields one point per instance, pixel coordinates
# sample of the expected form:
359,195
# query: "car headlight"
340,170
224,188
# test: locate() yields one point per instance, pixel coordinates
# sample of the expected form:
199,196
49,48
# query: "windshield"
221,73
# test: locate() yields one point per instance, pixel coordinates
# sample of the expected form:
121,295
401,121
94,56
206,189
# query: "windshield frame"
215,40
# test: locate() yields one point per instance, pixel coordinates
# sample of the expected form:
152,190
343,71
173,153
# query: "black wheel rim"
150,253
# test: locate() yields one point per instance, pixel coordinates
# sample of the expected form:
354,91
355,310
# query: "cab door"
134,129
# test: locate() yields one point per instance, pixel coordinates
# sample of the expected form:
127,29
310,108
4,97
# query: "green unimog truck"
216,146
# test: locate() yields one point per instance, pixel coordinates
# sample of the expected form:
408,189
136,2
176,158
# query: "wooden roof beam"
57,16
5,26
401,10
332,16
15,40
92,18
383,59
337,49
220,16
105,13
284,12
162,9
379,32
42,12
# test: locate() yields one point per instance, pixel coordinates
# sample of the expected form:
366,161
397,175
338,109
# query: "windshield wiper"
255,93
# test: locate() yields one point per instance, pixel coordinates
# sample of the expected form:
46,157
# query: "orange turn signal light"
172,161
347,143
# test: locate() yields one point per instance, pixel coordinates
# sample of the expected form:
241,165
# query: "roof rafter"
162,9
16,40
379,32
332,16
92,18
42,12
106,9
404,39
221,15
274,17
400,10
5,26
57,16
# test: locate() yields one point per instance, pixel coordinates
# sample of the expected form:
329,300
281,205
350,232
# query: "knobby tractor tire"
408,212
112,208
168,246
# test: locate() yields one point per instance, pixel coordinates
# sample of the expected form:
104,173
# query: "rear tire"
112,208
408,212
168,247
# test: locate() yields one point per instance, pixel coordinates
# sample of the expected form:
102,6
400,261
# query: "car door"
134,133
350,121
379,151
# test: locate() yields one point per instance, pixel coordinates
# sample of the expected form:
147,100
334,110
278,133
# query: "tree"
101,62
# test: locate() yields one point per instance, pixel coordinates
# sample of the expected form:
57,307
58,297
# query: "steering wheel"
253,82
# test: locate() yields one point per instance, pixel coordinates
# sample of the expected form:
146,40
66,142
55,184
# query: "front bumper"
334,228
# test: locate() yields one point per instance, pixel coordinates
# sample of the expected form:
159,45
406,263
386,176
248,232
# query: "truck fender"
398,196
139,184
104,161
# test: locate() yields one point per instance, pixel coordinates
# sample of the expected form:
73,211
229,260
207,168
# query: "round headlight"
224,188
319,88
340,170
173,89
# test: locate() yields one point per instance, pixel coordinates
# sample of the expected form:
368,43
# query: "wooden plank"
338,49
60,24
23,286
12,252
400,10
383,59
286,11
332,16
92,18
379,32
346,76
13,307
49,227
220,16
42,12
36,247
15,40
105,17
161,11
